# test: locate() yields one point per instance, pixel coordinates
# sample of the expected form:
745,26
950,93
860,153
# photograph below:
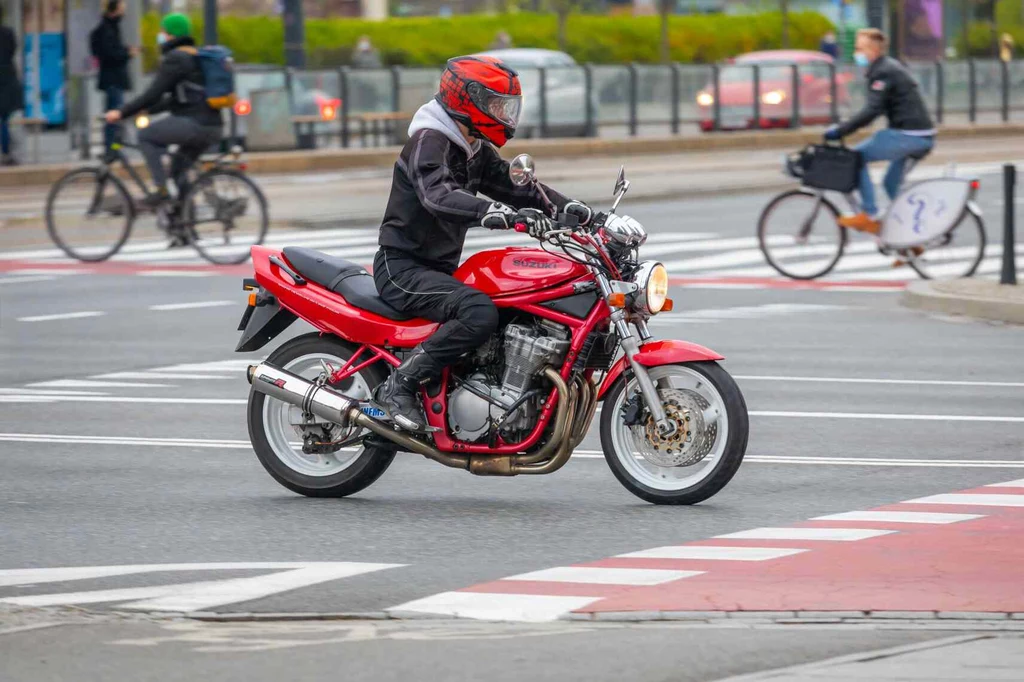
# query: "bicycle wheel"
958,254
799,236
89,214
225,214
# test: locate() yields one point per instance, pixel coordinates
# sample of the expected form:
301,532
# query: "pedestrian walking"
11,95
829,45
113,55
1006,47
366,56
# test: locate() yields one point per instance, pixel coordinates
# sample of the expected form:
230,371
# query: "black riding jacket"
893,91
434,198
176,87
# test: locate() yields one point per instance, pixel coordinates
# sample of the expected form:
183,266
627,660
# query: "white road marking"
899,517
27,279
713,553
88,383
195,596
858,380
826,534
528,608
745,312
61,316
189,306
971,499
127,399
888,416
159,375
1019,483
604,576
123,440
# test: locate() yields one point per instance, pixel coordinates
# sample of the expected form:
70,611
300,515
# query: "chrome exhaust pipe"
320,401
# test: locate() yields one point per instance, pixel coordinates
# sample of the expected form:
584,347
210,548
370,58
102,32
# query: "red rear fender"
667,352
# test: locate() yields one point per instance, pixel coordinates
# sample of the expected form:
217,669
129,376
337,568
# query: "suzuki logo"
533,263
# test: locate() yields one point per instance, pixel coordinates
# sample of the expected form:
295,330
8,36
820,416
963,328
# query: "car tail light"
329,109
243,107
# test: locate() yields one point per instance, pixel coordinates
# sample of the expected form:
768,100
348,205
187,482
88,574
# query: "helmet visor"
502,108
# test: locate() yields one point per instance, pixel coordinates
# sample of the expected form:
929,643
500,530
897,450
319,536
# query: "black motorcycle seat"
343,277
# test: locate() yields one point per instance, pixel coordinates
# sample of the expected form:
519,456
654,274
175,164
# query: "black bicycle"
220,211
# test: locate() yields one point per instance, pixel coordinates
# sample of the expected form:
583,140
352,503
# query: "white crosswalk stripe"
685,254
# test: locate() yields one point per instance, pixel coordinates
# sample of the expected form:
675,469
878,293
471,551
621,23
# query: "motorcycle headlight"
652,292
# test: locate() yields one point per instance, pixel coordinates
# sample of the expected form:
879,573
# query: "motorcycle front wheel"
277,430
702,452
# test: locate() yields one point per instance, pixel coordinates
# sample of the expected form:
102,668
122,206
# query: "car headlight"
705,99
652,288
774,97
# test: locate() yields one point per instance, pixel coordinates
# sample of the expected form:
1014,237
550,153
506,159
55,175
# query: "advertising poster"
52,59
922,30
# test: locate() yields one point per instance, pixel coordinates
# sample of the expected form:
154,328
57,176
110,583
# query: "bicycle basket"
829,167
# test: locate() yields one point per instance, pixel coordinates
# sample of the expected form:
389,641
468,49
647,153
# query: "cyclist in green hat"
193,124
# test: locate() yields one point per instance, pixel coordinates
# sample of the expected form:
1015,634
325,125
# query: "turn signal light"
617,300
668,306
975,185
252,299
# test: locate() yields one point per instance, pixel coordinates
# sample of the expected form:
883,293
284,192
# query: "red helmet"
484,95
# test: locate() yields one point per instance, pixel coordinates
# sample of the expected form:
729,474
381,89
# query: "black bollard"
1009,274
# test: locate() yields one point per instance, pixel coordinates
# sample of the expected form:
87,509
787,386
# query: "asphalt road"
123,442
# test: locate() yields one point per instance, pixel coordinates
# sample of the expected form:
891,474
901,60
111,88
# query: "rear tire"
225,215
930,267
356,474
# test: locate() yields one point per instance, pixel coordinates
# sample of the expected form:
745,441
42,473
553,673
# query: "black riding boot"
399,394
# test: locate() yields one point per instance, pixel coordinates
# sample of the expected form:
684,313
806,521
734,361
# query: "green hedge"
979,36
432,40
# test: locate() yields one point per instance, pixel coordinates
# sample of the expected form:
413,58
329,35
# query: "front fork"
630,347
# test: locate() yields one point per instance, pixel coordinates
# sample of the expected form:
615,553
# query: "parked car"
565,88
775,91
305,101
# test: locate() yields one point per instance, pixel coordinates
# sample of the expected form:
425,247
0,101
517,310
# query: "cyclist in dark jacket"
177,88
892,91
450,157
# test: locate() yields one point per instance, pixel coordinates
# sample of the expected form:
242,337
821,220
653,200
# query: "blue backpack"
218,69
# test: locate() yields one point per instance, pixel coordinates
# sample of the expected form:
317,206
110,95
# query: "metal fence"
346,107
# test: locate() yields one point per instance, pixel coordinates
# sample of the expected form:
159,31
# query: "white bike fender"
974,208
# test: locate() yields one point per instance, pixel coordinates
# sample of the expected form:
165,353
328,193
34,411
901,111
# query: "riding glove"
537,224
582,212
498,217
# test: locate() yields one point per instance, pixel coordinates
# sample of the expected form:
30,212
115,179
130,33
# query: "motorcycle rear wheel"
278,444
696,386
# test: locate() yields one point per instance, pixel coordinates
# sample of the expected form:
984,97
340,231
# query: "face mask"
161,38
861,59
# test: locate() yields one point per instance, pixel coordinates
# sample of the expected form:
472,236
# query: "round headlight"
652,282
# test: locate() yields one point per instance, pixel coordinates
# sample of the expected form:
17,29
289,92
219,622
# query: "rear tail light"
243,107
329,110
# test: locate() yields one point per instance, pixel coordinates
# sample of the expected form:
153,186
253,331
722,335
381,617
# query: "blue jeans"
888,145
5,135
115,100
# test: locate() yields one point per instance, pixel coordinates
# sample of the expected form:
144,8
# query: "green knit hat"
177,25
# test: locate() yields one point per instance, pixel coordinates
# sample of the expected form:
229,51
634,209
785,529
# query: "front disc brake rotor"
690,439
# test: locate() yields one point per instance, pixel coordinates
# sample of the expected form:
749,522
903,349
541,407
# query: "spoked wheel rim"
285,438
698,393
88,215
799,235
957,254
226,216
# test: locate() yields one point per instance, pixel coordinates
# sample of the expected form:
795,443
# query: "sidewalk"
971,658
983,299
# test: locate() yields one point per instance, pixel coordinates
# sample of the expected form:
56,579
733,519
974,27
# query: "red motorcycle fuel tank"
516,270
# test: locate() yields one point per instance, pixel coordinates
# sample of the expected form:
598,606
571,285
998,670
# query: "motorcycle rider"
450,156
893,91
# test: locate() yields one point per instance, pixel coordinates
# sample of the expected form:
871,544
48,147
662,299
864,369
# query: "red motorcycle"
673,424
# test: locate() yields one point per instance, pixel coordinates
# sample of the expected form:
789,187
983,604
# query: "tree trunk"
563,19
784,8
666,6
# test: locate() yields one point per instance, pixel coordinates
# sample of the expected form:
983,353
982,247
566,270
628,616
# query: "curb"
925,295
1014,621
306,161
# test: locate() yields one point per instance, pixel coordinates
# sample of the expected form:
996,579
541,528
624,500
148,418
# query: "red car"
736,90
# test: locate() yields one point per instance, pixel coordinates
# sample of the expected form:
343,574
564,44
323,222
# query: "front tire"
89,214
277,442
795,255
701,387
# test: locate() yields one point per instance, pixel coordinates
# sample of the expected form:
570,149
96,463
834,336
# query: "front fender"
667,352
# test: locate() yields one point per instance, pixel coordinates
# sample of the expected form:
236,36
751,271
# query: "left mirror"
521,170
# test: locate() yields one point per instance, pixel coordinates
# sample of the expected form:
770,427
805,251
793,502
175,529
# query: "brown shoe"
861,222
916,251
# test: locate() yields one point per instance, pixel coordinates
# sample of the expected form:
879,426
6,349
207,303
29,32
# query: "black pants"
468,318
192,139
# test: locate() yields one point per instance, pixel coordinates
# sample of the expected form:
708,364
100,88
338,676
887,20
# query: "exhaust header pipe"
294,390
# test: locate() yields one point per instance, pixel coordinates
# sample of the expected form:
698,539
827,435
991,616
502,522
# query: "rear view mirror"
521,171
620,183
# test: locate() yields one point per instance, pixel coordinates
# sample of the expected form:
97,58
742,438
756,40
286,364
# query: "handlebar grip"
521,227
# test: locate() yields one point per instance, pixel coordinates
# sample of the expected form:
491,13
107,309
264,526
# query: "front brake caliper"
632,410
